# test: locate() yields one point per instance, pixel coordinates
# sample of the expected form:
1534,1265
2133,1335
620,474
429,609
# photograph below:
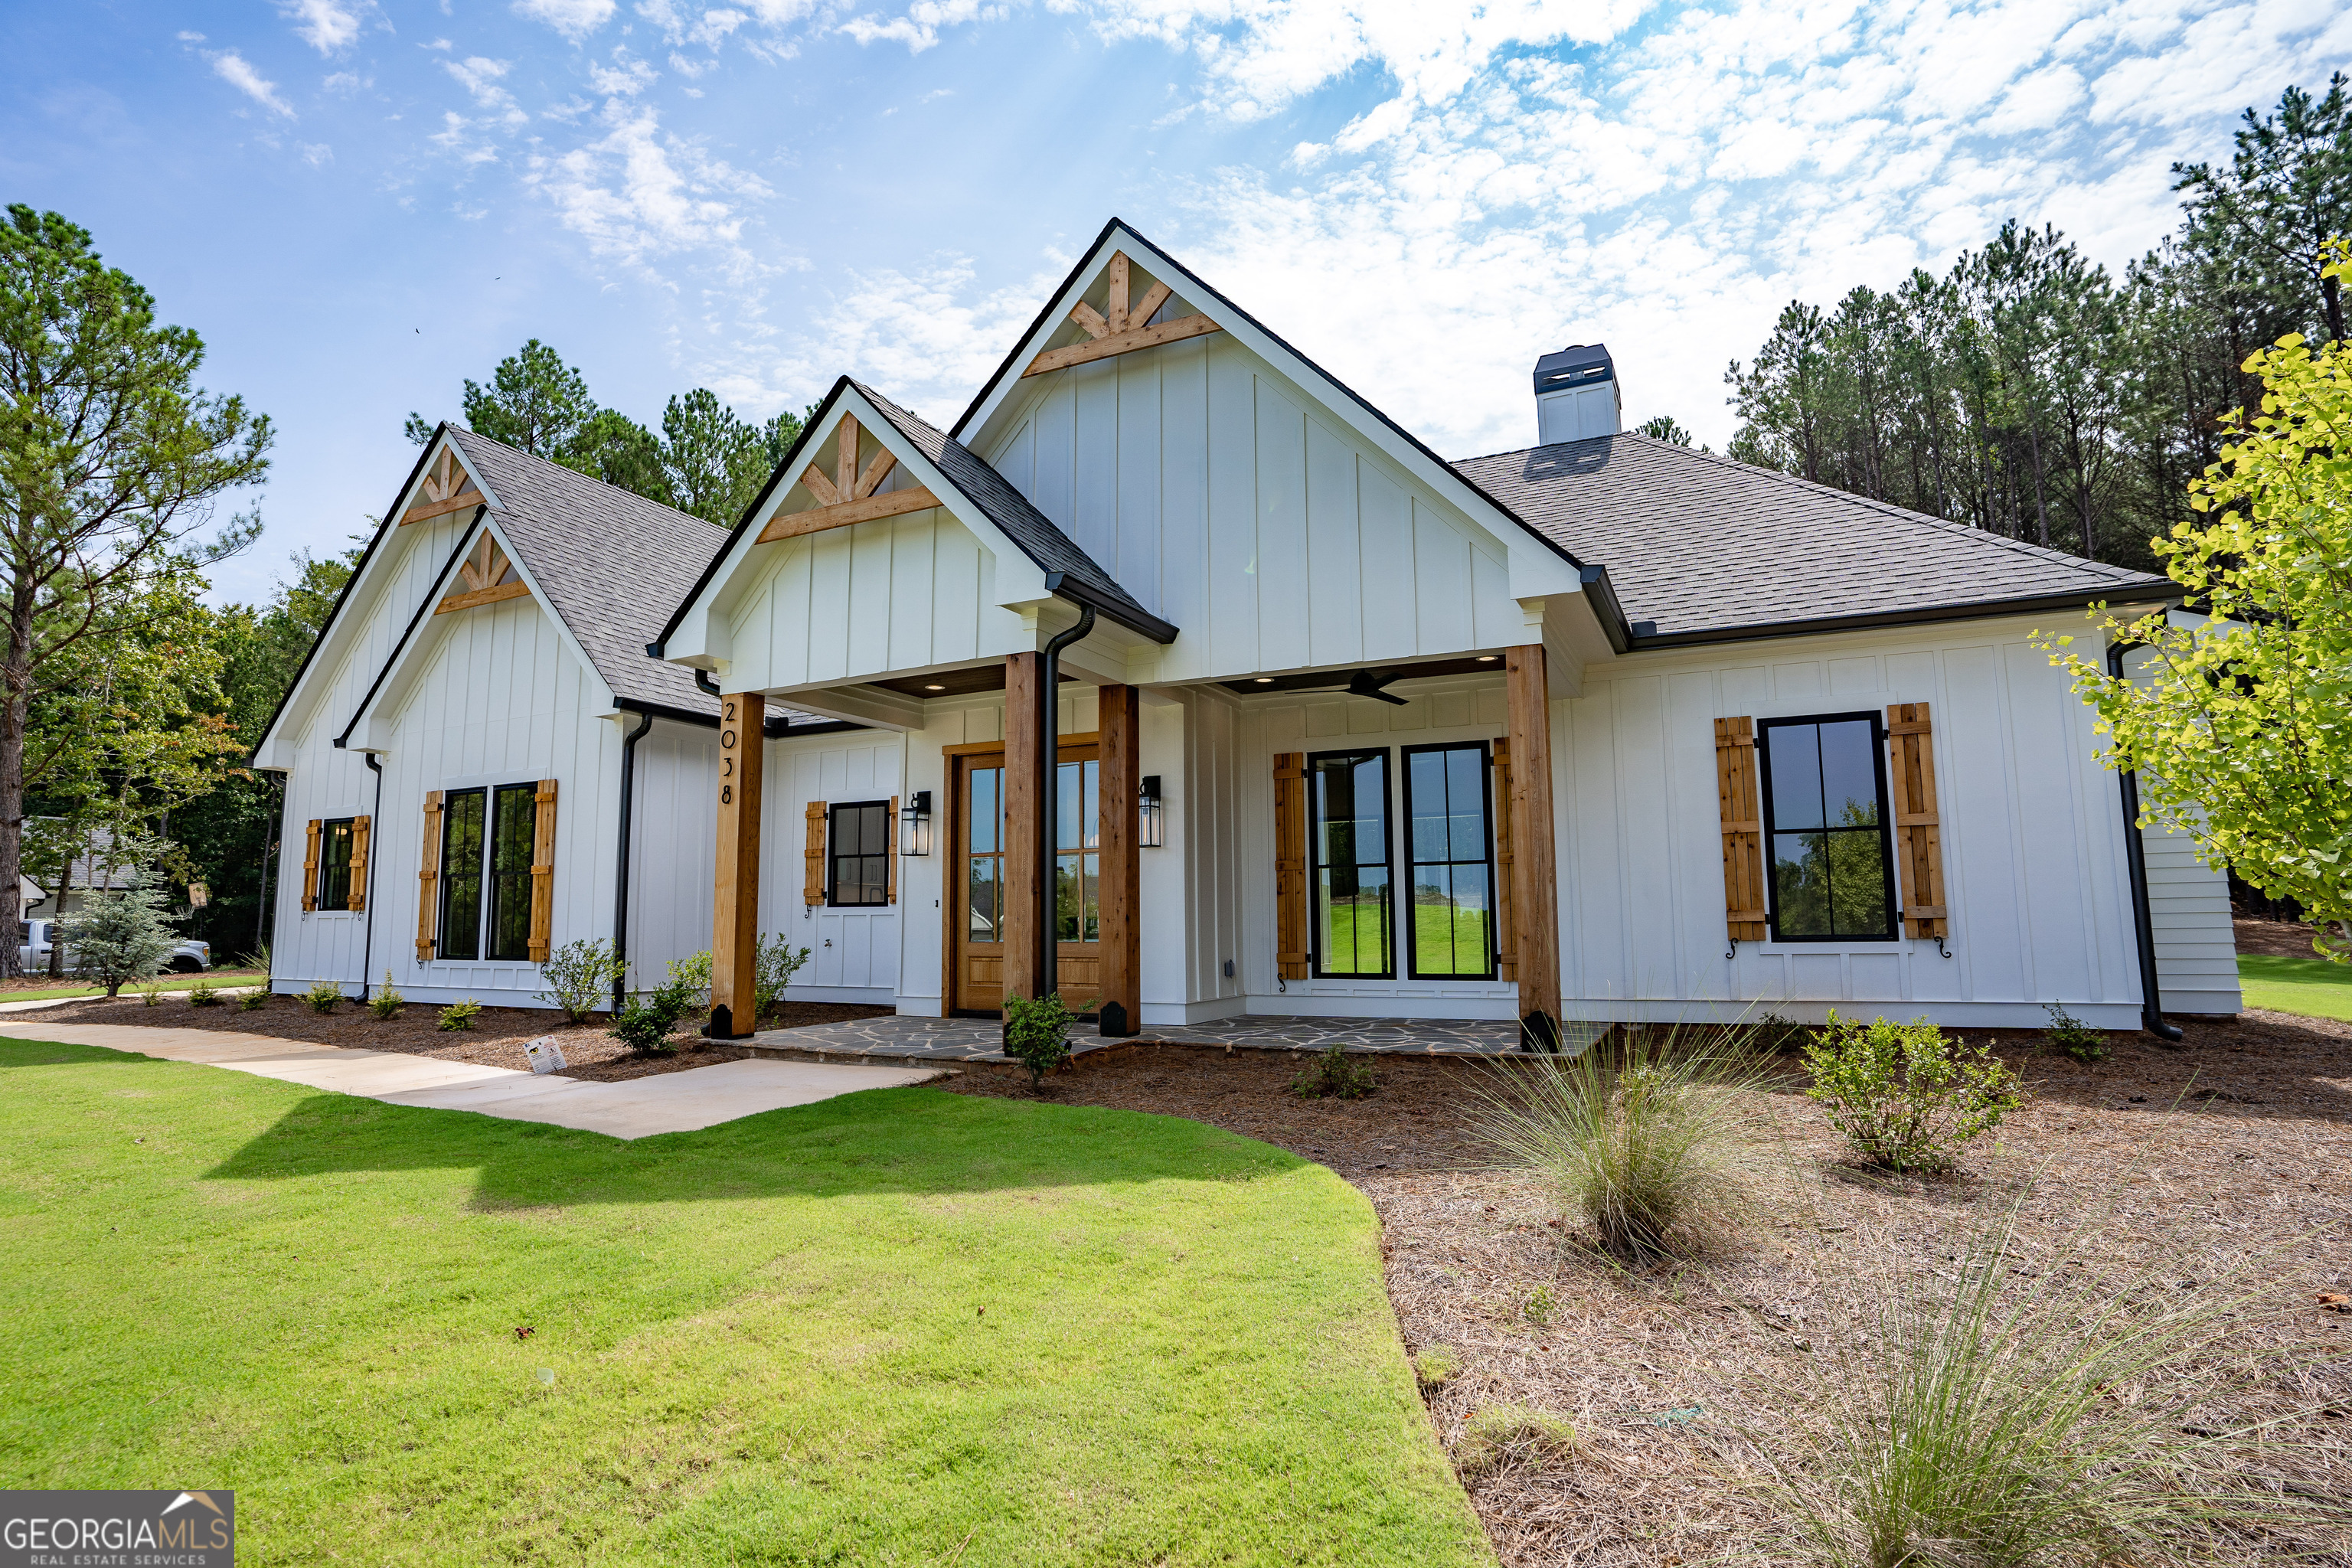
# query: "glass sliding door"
1347,802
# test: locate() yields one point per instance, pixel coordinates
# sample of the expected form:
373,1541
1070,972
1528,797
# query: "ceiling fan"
1372,683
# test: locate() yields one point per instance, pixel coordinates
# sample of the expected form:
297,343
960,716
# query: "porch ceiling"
964,682
1336,678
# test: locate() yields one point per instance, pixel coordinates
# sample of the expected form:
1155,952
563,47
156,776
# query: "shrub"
151,995
203,993
1905,1096
1038,1034
460,1014
1509,1436
1335,1074
1541,1306
252,1001
323,996
580,977
2071,1034
694,975
1435,1368
646,1019
774,967
387,1001
1646,1132
116,938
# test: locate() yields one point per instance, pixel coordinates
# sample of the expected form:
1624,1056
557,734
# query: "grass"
2311,987
227,978
1446,940
901,1326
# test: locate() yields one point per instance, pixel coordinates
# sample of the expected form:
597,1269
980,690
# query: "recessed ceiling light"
1265,680
1486,659
935,688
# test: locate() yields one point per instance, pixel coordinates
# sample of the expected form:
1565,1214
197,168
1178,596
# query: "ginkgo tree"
2239,721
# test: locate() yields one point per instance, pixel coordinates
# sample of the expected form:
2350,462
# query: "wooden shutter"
1918,832
891,848
358,900
1744,910
310,868
812,856
1507,946
429,880
1290,956
542,870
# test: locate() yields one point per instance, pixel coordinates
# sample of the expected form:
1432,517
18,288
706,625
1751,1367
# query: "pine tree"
119,937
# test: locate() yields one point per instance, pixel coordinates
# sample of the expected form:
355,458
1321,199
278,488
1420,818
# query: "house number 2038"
726,759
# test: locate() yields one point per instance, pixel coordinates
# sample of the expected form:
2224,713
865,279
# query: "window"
984,853
858,853
1826,819
488,838
335,864
1077,858
1348,827
1449,852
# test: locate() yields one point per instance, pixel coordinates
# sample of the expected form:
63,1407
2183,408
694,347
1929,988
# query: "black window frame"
327,866
1317,865
833,857
1877,720
484,874
1409,931
498,884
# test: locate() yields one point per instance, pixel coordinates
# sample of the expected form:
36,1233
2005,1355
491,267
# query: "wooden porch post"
735,910
1535,882
1023,909
1122,928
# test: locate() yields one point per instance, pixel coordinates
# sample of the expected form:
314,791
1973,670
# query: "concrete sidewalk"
635,1108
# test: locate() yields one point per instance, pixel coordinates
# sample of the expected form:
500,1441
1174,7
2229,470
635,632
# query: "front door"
977,921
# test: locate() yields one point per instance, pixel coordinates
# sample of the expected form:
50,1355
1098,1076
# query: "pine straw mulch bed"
496,1038
2240,1142
2274,939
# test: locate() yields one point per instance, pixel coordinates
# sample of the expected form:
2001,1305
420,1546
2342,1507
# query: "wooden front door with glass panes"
1077,898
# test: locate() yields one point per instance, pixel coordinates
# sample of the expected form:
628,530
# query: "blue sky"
358,203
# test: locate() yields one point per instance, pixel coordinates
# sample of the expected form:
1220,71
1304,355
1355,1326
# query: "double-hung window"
858,853
1450,859
1826,819
1348,827
335,863
487,837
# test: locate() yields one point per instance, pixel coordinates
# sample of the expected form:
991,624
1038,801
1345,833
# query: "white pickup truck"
33,954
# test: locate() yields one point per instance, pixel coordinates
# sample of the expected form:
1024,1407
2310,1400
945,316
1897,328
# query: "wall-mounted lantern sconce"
914,824
1148,807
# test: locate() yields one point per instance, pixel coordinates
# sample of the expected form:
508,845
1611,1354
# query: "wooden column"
1534,881
735,908
1024,911
1122,926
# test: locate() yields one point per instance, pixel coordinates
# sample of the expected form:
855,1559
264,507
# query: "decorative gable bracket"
1124,330
488,575
847,495
446,488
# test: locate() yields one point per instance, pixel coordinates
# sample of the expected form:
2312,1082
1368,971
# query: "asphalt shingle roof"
1701,544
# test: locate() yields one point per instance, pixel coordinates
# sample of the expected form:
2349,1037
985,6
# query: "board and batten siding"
1212,488
853,952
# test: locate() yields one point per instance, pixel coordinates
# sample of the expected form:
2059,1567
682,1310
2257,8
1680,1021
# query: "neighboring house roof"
1711,550
1017,520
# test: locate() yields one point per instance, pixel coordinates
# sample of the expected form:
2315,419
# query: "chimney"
1576,394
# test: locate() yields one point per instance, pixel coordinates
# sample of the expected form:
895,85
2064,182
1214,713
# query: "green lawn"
2315,987
227,979
903,1327
1447,941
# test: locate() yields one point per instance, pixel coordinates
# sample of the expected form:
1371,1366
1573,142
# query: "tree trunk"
2330,291
57,921
2041,489
16,704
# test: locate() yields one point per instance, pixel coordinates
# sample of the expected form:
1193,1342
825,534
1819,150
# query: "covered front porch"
905,1038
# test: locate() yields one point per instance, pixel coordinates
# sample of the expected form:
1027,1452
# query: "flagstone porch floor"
979,1040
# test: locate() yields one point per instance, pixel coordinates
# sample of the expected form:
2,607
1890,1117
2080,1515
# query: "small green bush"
2071,1034
1336,1075
646,1019
151,995
693,973
324,997
386,1002
460,1014
775,962
252,1001
580,977
1905,1096
1510,1435
1436,1366
203,993
1541,1306
1038,1034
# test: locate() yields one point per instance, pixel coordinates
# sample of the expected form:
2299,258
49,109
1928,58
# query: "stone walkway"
980,1039
635,1108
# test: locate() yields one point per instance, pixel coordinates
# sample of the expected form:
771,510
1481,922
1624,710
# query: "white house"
1601,729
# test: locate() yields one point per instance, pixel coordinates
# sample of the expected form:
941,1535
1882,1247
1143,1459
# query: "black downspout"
621,881
1049,726
2151,1005
702,679
367,933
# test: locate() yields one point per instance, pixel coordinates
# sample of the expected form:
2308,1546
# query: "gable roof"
1707,549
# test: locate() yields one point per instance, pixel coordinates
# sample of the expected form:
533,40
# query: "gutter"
1973,610
367,936
2151,1005
621,880
1049,726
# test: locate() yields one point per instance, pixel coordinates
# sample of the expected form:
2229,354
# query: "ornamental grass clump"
1905,1096
2011,1407
1658,1136
1507,1437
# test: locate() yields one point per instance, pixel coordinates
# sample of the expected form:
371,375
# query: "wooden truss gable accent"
847,495
1124,328
446,488
488,578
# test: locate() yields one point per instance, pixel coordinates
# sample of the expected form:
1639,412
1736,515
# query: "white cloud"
232,69
479,77
627,77
918,29
346,81
326,25
317,152
572,18
442,44
192,37
637,194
